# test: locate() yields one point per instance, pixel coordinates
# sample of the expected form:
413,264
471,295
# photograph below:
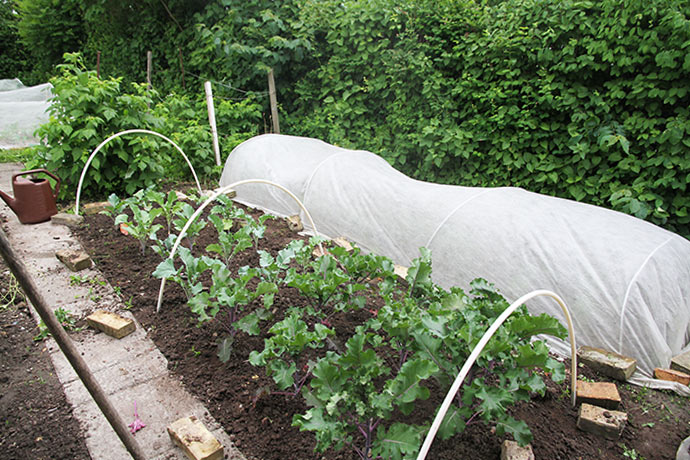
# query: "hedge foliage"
12,55
585,100
86,110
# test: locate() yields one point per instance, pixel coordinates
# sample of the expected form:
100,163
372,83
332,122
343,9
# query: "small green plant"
18,155
289,339
75,280
182,215
187,275
630,453
64,317
168,204
142,225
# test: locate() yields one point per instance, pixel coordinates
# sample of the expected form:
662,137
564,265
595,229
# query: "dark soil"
261,428
36,420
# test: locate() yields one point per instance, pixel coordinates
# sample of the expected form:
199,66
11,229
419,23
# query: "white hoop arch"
478,349
210,199
122,133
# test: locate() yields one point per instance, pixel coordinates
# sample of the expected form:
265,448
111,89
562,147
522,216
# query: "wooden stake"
98,64
212,120
274,101
65,343
149,58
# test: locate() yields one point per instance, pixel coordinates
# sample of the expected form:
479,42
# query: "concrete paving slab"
128,369
160,402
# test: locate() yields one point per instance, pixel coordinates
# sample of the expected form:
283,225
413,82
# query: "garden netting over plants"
22,110
625,281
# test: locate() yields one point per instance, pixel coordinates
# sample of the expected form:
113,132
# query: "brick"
95,208
672,375
111,323
681,363
602,422
74,260
510,450
603,394
340,241
343,243
400,271
608,363
683,452
295,223
70,220
195,440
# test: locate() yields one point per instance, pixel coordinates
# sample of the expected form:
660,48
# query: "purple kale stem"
403,357
375,424
362,430
471,419
298,386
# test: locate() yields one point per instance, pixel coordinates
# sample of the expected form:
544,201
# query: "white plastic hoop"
122,133
478,349
211,198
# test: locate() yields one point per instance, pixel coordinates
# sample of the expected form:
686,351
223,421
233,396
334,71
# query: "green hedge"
580,99
584,100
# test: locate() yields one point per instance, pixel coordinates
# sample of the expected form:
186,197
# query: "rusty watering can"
33,201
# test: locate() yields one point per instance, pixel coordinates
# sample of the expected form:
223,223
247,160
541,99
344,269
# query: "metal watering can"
33,201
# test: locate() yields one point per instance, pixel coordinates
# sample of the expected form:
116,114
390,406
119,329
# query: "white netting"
22,110
626,281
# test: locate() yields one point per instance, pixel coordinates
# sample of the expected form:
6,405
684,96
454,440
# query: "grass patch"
18,155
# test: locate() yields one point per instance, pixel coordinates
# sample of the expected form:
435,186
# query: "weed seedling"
631,453
64,317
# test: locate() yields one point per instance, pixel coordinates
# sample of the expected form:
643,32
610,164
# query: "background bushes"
583,100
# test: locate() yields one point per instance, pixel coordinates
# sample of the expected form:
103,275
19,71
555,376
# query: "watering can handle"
35,171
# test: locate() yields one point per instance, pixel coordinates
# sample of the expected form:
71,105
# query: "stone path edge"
129,370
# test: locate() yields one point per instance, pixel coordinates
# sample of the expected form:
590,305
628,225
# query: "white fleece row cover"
625,281
22,110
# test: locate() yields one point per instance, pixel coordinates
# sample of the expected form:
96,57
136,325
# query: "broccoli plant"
350,406
281,351
142,225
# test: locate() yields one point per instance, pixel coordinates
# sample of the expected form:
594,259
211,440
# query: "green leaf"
249,323
528,326
400,441
282,373
225,349
165,269
517,428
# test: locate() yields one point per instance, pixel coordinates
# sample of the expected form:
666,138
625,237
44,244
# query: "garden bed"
261,424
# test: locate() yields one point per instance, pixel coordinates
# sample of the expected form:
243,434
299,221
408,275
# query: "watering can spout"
11,202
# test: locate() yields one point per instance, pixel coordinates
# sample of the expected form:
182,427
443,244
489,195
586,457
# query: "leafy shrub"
48,29
185,118
124,30
238,41
85,111
583,100
12,53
